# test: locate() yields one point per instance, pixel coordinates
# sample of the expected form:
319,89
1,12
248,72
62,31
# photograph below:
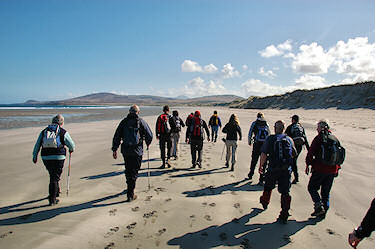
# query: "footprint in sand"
204,204
192,217
132,226
151,214
238,206
233,193
111,232
245,244
212,204
331,232
168,200
112,212
223,236
148,198
161,231
5,234
208,217
158,190
110,246
128,236
340,215
286,238
202,186
135,209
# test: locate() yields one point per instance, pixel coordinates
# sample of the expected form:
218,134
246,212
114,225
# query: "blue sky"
52,50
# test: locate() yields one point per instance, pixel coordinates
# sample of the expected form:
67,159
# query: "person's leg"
294,165
212,133
174,145
216,129
313,188
326,189
169,150
229,152
177,139
54,168
234,149
269,185
283,188
132,166
193,150
199,150
254,158
162,149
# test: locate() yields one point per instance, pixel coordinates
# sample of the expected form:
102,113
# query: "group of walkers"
278,154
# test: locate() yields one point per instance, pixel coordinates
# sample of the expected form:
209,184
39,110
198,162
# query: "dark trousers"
196,146
324,183
165,139
255,156
55,168
132,166
281,177
294,165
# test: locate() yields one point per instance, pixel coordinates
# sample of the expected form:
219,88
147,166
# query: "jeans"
324,183
231,150
175,139
294,165
165,139
214,129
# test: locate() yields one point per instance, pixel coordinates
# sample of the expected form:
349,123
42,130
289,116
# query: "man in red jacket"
322,174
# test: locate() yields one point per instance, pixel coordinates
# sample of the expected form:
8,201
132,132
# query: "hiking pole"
67,189
223,148
148,166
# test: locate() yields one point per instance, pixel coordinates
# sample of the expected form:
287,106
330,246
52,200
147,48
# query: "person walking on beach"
177,123
325,157
53,140
259,131
163,134
195,135
214,123
231,129
280,150
365,229
297,132
130,133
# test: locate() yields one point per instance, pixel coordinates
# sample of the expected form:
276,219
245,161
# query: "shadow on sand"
238,233
231,187
51,213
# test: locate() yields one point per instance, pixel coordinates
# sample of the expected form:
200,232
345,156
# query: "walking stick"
67,190
148,167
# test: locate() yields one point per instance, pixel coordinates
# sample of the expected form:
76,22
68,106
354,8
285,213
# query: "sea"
12,117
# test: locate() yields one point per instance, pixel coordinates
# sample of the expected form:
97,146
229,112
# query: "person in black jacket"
164,135
365,229
195,135
231,129
297,132
131,133
177,123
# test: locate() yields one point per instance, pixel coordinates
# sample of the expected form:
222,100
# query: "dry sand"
204,208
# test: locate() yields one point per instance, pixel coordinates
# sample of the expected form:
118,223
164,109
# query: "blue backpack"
131,135
262,133
282,152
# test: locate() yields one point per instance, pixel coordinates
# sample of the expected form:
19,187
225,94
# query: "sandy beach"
202,208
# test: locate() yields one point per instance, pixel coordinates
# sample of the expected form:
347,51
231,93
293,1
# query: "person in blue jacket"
53,140
130,133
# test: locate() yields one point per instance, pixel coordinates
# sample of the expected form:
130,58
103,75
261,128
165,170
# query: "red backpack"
196,127
163,126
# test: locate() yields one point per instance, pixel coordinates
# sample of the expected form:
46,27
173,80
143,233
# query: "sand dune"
206,208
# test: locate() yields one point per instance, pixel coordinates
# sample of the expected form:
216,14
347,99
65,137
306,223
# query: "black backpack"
331,151
282,152
261,133
132,136
297,134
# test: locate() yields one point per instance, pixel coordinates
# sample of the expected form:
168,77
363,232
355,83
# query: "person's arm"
207,130
315,146
117,139
288,131
250,133
263,156
156,128
37,146
181,122
306,142
239,132
365,229
263,160
147,133
69,142
219,121
187,138
225,129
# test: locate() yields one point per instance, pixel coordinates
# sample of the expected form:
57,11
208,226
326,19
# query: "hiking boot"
232,168
227,165
318,212
282,219
131,198
264,204
295,181
199,164
250,175
162,167
175,157
169,163
261,183
193,167
53,202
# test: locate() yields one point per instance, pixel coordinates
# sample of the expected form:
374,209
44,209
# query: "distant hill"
360,95
115,99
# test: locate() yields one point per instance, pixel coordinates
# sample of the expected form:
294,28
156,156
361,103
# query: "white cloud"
245,67
265,73
229,72
278,50
310,82
192,66
312,60
255,87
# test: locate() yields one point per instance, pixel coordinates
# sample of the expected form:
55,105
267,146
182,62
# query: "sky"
54,50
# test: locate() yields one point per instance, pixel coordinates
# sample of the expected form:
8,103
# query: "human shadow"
239,233
232,187
51,213
143,161
15,207
144,173
193,172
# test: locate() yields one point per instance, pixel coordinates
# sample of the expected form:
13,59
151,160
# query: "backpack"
131,134
297,134
331,152
196,127
51,137
214,121
177,122
262,133
282,152
163,125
